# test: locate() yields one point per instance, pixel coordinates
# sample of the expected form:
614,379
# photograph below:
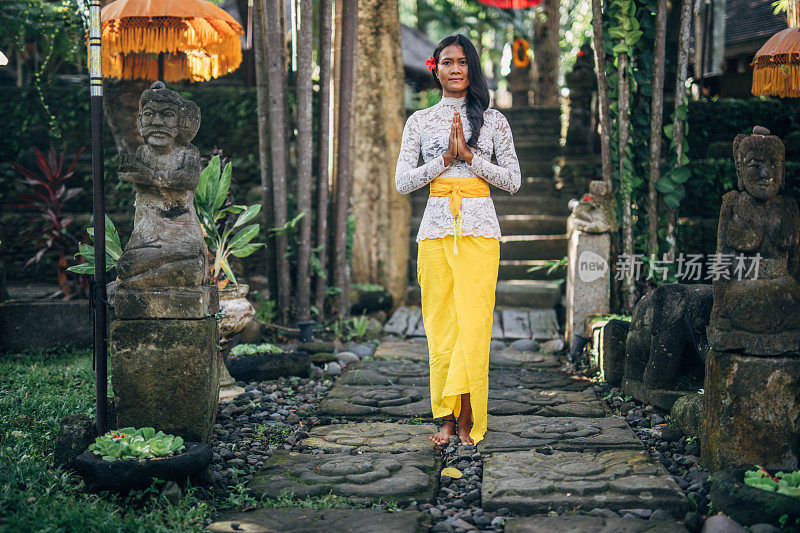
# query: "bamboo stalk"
304,156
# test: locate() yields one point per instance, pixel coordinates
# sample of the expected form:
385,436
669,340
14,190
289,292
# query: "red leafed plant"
46,192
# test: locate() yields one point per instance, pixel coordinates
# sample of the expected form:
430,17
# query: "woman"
459,240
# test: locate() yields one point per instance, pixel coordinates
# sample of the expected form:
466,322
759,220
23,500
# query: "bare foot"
444,434
463,433
465,421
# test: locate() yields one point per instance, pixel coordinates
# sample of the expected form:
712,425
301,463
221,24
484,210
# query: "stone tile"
363,478
411,350
589,524
512,433
372,437
544,403
525,378
394,401
532,482
316,520
387,372
515,358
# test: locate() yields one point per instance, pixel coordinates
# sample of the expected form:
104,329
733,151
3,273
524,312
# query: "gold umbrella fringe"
776,78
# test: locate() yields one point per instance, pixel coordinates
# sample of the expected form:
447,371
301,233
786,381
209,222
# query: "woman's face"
451,70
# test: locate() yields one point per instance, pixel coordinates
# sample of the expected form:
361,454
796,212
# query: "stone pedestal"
609,346
751,412
588,279
165,371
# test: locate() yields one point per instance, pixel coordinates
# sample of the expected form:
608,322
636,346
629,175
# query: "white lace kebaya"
428,131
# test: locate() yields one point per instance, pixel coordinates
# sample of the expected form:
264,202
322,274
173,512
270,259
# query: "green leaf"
243,237
222,187
210,174
228,272
680,174
672,200
248,215
668,131
620,48
83,268
665,185
235,209
247,249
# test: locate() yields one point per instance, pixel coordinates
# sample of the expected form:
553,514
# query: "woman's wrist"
467,156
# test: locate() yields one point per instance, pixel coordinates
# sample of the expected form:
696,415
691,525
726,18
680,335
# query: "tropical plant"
224,238
252,349
86,251
130,444
783,482
46,191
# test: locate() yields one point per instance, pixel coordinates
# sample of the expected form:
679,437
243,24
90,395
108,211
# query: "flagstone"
372,437
525,378
528,482
387,372
363,478
544,403
526,432
514,357
316,520
589,524
391,401
411,350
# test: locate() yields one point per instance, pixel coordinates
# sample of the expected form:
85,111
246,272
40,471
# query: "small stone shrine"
164,341
752,383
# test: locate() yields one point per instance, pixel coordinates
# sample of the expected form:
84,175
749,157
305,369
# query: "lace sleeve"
506,174
408,176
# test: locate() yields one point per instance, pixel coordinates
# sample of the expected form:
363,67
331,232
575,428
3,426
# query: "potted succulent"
130,458
259,362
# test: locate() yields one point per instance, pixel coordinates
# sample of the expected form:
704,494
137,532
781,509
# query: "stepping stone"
497,326
523,378
514,357
516,324
589,524
372,437
514,433
411,350
315,520
387,372
363,478
416,328
394,401
544,403
544,323
531,482
398,322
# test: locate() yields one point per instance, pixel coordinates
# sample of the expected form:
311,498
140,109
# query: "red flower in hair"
580,53
431,63
587,197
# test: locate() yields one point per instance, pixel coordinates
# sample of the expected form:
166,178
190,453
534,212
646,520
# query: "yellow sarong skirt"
458,297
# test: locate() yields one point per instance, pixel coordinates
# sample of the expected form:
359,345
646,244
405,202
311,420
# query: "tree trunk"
381,240
545,55
718,38
325,24
602,91
304,156
262,103
343,156
625,186
656,120
276,65
677,124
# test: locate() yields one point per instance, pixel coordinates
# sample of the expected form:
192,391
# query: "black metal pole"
99,294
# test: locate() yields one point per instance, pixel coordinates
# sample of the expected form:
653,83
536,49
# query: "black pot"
749,505
122,476
264,366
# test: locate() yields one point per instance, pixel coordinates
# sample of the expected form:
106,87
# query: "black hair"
478,95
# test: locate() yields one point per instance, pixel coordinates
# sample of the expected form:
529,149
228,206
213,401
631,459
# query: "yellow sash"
457,188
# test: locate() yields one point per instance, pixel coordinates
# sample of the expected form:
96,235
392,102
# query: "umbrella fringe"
776,80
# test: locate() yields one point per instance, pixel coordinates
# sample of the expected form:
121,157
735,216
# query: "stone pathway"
551,449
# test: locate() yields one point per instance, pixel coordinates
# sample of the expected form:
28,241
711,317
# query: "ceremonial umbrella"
511,4
169,40
776,66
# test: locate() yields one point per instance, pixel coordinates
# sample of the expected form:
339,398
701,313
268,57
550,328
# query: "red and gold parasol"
187,39
776,66
511,4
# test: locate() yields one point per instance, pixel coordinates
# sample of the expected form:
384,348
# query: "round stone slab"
316,520
387,372
512,433
523,378
395,401
372,437
589,524
409,350
513,358
531,482
544,403
400,477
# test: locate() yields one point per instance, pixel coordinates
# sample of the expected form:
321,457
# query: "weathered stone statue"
166,248
758,316
752,383
595,212
164,341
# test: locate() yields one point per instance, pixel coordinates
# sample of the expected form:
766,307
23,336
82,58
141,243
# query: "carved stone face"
160,124
760,175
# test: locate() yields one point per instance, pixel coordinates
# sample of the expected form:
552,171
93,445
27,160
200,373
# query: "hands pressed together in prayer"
457,147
